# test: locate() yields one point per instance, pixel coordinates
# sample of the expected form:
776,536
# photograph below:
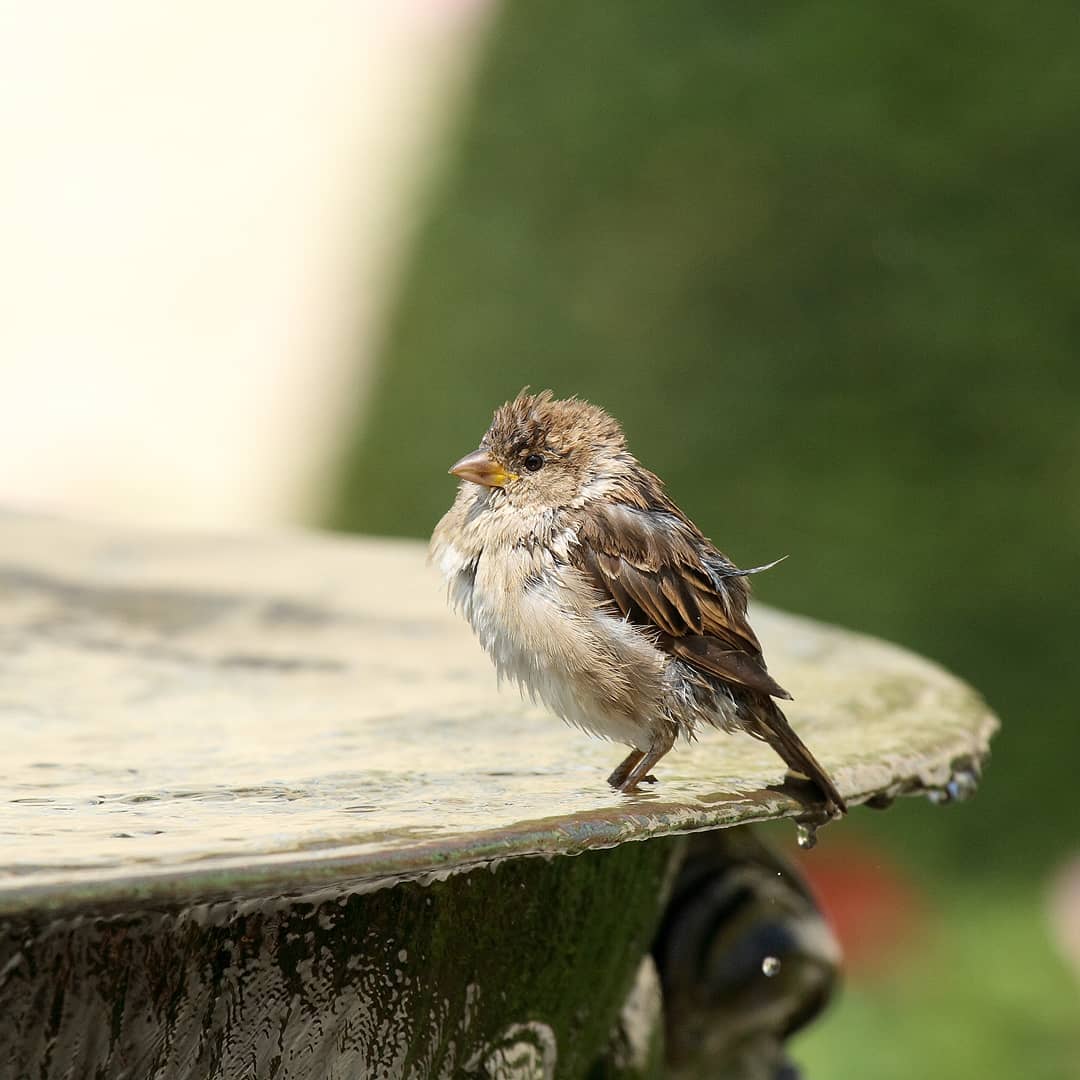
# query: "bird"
589,587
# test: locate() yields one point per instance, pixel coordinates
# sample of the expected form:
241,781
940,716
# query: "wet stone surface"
416,981
190,717
264,812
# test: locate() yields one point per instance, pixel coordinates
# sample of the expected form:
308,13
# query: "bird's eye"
534,462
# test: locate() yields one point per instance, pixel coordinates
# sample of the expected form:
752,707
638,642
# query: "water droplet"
770,966
960,786
805,835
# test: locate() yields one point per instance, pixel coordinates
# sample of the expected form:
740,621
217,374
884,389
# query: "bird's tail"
771,725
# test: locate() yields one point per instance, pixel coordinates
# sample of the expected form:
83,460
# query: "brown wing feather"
654,564
709,655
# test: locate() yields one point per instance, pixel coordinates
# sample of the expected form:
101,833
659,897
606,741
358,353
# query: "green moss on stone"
529,957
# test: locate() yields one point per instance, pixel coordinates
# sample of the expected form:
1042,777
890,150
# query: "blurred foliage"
821,260
984,998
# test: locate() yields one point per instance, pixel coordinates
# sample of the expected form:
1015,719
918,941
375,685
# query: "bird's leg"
624,768
640,771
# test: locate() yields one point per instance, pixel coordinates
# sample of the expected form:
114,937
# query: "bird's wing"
661,572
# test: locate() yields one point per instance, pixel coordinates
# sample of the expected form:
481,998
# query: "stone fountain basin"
186,717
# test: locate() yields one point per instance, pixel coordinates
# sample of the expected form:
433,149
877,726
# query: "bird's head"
544,452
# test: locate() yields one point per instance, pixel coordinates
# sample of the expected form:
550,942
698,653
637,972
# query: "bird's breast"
546,628
525,602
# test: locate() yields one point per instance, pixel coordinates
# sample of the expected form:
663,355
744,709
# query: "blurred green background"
823,263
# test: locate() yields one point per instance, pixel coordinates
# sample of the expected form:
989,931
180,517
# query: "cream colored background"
202,206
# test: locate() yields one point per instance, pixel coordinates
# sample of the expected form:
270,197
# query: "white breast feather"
538,619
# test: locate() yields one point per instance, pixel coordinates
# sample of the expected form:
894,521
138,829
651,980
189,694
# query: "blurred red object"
873,907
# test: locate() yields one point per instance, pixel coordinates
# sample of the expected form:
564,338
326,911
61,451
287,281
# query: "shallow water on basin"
172,702
275,784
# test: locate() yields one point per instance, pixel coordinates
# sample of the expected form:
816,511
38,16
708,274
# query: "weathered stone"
185,717
517,970
266,813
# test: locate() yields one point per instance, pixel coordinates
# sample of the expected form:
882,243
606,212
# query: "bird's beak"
478,468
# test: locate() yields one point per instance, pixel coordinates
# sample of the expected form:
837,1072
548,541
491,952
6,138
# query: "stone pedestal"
265,813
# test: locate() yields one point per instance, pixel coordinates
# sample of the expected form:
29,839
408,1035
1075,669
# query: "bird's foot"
622,772
630,785
639,764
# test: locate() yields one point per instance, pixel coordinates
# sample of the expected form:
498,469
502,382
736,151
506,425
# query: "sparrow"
592,590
